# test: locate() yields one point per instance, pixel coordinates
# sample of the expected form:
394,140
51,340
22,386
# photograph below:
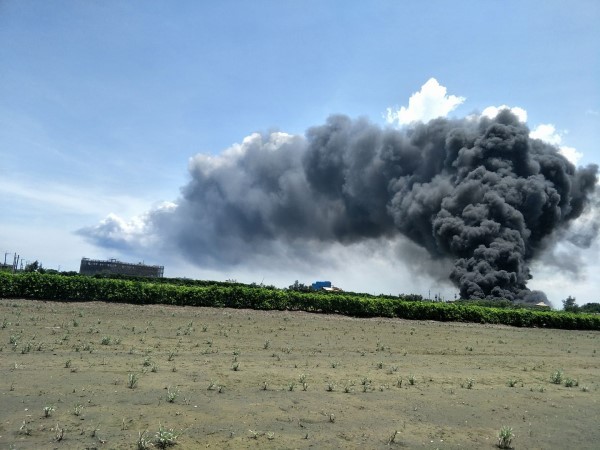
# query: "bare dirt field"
94,375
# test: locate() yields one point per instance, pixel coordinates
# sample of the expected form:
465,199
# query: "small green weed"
505,437
132,380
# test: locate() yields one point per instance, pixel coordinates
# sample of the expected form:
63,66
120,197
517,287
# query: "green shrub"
75,288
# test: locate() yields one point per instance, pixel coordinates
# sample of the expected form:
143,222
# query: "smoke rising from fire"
479,193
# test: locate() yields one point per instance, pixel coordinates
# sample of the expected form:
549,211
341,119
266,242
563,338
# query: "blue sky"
102,103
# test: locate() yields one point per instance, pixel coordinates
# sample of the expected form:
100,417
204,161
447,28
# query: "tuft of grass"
172,394
132,380
77,410
505,437
48,410
60,433
512,382
165,437
469,383
143,442
412,380
556,377
24,429
571,382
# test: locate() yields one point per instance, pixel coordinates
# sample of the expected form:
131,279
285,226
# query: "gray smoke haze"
477,193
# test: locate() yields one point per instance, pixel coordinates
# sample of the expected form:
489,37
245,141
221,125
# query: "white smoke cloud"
548,133
114,231
429,103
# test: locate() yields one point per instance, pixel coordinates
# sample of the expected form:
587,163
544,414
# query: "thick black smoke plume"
479,192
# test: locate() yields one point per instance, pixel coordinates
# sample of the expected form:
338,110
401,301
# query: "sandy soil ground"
93,375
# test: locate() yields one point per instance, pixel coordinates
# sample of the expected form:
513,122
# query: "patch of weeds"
235,366
267,344
330,387
60,433
556,377
68,364
77,410
26,348
291,386
468,384
24,430
132,380
48,410
143,441
165,437
412,380
571,382
172,394
505,437
106,340
512,382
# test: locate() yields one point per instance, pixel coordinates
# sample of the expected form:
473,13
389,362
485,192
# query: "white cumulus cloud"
492,111
430,102
548,133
